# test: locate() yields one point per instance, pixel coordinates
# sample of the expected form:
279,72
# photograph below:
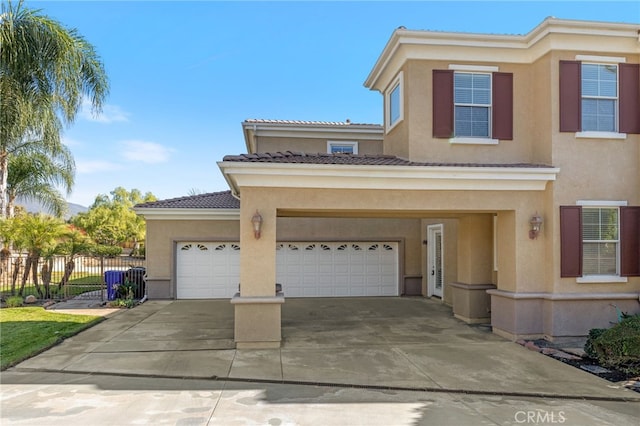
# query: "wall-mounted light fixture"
256,221
536,224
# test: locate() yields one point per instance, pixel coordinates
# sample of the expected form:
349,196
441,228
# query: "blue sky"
184,75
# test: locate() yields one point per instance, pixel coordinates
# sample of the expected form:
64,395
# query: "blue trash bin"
113,278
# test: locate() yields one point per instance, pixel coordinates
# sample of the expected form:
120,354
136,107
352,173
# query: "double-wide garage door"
210,270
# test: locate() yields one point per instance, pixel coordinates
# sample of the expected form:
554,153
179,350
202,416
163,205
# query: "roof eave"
168,213
331,176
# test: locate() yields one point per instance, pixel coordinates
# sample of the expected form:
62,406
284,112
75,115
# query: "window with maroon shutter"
599,97
472,104
599,243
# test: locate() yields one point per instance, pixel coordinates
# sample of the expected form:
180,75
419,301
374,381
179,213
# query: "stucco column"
470,301
257,306
517,306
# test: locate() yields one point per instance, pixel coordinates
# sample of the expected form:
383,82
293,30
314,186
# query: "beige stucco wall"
591,169
422,146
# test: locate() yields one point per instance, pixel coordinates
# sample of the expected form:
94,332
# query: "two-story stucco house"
504,181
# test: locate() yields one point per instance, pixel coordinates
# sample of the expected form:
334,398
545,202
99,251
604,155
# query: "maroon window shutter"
629,98
442,104
502,106
570,241
570,96
630,241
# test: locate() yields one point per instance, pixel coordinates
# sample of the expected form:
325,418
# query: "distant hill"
35,207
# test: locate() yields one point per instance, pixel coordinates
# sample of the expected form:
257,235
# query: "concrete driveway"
398,350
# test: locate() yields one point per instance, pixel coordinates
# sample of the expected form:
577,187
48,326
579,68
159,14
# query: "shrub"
14,302
106,251
619,346
589,349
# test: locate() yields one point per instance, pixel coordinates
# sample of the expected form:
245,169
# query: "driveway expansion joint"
537,395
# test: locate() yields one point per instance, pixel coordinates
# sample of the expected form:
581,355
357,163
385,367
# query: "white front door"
435,270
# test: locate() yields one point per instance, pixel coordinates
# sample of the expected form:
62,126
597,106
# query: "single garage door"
207,270
305,269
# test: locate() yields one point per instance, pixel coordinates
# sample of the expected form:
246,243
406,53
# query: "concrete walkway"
389,361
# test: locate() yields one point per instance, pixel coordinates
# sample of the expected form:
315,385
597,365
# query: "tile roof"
347,122
289,157
213,200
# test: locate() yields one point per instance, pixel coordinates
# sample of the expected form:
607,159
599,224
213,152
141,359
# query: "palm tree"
39,235
45,72
36,175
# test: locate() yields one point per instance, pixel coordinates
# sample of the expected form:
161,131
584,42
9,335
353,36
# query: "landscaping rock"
595,369
549,351
564,355
30,299
532,347
575,351
521,342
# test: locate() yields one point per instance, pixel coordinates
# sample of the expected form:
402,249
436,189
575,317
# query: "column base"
257,322
471,303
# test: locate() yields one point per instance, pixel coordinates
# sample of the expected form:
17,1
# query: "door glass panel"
438,260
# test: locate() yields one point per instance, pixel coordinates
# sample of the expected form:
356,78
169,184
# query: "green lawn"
74,287
25,332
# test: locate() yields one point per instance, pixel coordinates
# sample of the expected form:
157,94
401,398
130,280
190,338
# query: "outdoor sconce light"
256,221
536,224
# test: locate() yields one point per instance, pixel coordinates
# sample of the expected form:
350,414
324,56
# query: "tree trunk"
34,275
17,265
45,273
25,274
68,270
4,173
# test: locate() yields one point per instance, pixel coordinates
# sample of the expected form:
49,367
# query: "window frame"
396,84
352,144
488,106
617,277
475,69
616,99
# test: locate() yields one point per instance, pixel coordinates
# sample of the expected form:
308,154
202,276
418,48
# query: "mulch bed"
584,363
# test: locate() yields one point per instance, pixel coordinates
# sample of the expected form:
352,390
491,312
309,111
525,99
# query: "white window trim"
603,278
473,141
600,135
474,68
602,59
352,144
397,82
600,203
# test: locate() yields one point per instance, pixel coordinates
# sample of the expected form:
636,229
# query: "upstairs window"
472,104
393,103
472,98
599,98
342,147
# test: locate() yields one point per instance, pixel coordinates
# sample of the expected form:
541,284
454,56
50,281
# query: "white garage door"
305,269
207,270
338,269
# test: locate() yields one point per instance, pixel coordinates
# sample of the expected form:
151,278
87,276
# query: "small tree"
111,220
75,243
